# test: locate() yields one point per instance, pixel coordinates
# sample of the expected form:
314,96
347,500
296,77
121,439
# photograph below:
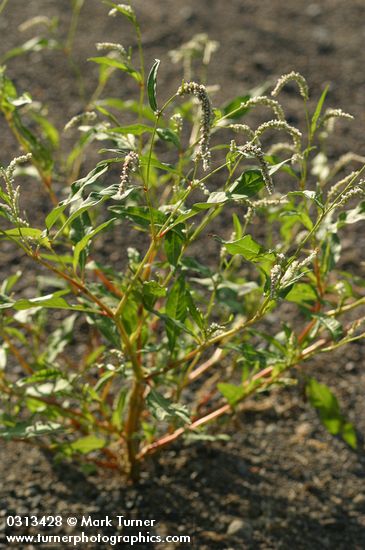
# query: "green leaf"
194,311
176,309
41,375
128,105
24,99
48,388
331,251
110,62
9,282
248,184
58,340
151,292
295,216
130,313
154,163
248,248
301,293
314,196
238,230
348,434
76,193
168,135
321,398
35,44
164,409
119,405
276,165
196,208
27,232
54,300
41,153
94,355
82,244
233,108
355,215
26,430
151,85
134,129
87,444
103,379
173,245
231,392
107,328
49,131
141,215
95,198
192,264
333,326
318,111
176,302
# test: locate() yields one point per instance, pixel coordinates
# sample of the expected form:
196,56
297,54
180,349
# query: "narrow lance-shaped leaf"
76,193
318,111
151,85
51,301
35,44
176,310
81,245
333,326
173,246
110,62
135,129
26,233
168,135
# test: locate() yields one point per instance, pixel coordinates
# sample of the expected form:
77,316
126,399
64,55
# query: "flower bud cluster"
293,76
264,203
342,183
275,274
268,102
330,116
257,152
355,326
130,165
344,160
112,47
13,193
284,126
15,163
357,191
199,91
177,122
214,329
243,128
282,146
83,118
295,268
201,185
125,7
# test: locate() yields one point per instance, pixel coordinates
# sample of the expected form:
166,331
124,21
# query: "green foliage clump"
229,227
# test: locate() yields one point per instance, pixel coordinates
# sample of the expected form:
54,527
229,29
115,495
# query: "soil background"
280,481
